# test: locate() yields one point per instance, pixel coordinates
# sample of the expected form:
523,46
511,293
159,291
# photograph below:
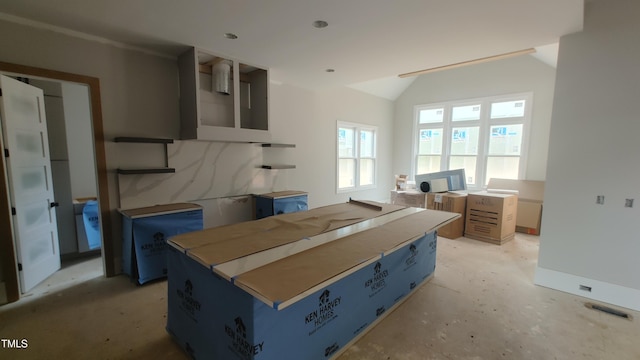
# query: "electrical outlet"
628,203
600,199
585,288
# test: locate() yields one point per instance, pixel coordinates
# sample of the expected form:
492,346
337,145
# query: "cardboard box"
144,237
281,202
303,285
412,198
452,202
530,199
491,217
401,182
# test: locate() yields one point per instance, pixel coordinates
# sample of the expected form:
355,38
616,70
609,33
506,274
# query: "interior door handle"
54,204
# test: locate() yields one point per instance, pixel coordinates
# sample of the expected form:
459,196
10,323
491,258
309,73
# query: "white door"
24,130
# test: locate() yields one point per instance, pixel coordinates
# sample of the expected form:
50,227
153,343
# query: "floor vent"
609,310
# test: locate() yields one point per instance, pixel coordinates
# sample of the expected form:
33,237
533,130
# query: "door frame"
7,249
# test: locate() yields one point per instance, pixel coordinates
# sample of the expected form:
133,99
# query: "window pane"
502,167
346,142
505,140
464,113
430,142
367,171
428,164
430,116
464,141
468,163
346,173
366,143
507,109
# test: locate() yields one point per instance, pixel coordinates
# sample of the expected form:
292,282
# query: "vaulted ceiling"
367,42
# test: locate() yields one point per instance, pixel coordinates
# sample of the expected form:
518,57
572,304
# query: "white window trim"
485,124
358,127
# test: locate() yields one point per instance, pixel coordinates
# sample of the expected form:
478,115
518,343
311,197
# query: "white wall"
593,151
309,120
515,75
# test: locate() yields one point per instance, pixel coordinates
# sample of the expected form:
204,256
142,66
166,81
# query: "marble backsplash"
214,174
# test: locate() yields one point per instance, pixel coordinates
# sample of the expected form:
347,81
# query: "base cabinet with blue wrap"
303,285
145,232
281,202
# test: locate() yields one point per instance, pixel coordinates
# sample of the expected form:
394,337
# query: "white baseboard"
592,289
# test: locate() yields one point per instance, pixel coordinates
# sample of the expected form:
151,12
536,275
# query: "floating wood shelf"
146,171
277,167
145,140
129,139
271,145
277,145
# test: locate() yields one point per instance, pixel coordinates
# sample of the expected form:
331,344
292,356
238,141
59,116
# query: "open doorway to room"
73,171
78,168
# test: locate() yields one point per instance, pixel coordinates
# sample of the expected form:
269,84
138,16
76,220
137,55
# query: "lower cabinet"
281,202
145,232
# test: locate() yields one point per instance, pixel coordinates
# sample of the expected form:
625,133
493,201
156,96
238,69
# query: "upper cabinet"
222,99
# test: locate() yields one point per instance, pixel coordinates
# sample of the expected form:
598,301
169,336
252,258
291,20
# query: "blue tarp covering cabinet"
297,299
281,202
91,224
145,232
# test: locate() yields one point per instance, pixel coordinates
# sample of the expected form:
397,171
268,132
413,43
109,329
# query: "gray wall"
515,75
593,151
140,92
78,125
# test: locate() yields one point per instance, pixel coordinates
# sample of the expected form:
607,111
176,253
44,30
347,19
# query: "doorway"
73,171
8,265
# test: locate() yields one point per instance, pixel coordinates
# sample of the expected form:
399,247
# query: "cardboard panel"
530,190
283,280
408,198
282,194
530,198
225,243
529,216
231,269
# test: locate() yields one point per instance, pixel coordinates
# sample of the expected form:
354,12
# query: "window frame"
484,123
358,128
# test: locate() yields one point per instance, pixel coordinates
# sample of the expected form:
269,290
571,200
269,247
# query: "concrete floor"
481,304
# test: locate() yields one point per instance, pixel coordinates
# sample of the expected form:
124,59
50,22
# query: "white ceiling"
367,42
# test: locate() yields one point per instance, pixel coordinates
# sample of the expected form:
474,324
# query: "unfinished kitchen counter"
297,286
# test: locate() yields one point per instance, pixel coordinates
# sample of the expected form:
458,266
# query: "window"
485,137
356,156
